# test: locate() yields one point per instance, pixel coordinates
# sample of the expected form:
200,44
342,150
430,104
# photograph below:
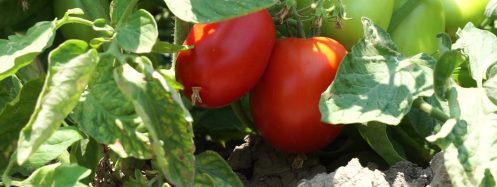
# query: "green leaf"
105,114
69,71
57,175
57,144
422,122
481,48
220,124
462,75
87,153
469,138
491,89
444,43
203,179
166,47
9,89
444,69
375,82
414,145
120,8
210,165
490,85
201,11
139,33
376,136
15,116
19,51
170,131
138,181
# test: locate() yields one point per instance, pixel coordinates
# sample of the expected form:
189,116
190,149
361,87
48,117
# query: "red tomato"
285,102
227,60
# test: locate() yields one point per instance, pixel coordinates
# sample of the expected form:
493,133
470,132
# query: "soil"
259,164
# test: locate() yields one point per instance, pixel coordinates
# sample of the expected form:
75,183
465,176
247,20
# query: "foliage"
74,110
467,135
104,90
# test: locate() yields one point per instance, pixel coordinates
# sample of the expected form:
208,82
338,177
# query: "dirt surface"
259,164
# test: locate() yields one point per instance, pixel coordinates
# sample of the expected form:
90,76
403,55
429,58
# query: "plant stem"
241,115
429,109
300,25
316,30
74,20
6,173
13,183
181,30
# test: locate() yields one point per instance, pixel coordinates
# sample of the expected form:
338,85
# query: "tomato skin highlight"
285,102
227,59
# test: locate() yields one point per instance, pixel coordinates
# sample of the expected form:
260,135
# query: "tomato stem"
300,25
316,29
241,115
429,109
6,173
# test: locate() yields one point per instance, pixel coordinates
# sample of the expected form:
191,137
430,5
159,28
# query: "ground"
259,164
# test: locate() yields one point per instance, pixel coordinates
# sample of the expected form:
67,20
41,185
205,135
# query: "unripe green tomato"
460,12
417,32
93,9
380,11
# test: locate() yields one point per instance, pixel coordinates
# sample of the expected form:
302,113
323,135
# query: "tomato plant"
418,28
227,59
284,103
92,10
350,30
109,112
459,12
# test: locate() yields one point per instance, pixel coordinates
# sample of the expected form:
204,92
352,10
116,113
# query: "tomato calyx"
298,161
196,95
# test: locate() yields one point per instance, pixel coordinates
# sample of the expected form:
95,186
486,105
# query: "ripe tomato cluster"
285,78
